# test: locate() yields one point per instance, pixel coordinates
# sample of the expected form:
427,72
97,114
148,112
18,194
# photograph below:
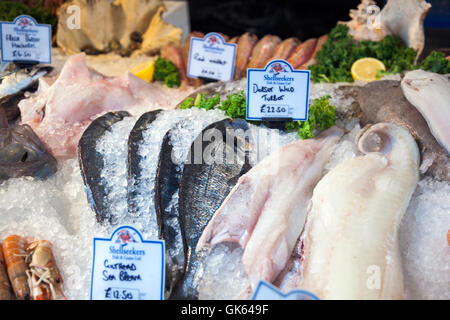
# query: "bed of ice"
423,242
186,125
57,210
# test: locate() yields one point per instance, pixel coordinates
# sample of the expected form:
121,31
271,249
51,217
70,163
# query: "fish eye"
24,157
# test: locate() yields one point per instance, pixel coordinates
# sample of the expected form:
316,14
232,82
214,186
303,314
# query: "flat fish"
266,210
205,183
383,101
134,158
91,162
430,93
351,248
22,153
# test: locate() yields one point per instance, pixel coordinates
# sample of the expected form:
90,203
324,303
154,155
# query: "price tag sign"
126,267
211,57
277,91
26,40
266,291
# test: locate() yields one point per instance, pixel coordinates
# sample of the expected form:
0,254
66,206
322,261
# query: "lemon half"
144,71
366,69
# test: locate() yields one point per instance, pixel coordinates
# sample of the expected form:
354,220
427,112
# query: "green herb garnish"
235,105
321,116
167,72
335,59
200,102
436,62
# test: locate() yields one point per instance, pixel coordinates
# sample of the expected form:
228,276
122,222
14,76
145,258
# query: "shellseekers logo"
24,22
212,41
124,237
277,68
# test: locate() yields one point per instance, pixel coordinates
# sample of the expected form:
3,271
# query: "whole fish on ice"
350,242
205,183
266,210
384,101
430,93
92,162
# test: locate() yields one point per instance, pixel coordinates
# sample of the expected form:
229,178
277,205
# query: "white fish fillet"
350,239
430,93
60,113
265,211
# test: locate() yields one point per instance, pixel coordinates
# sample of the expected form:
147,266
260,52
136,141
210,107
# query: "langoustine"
350,242
44,278
15,257
5,288
265,211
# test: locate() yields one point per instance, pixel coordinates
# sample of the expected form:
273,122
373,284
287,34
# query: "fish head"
23,154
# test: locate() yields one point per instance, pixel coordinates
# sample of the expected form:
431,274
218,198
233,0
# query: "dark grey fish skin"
91,162
203,188
133,160
167,183
22,153
9,103
383,101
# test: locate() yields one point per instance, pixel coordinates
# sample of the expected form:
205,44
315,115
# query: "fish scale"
203,187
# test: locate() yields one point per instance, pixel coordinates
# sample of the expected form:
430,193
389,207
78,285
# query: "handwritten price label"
125,267
25,40
277,91
211,57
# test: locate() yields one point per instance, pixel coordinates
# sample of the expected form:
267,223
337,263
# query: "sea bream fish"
13,86
350,241
92,162
60,114
266,210
430,93
207,178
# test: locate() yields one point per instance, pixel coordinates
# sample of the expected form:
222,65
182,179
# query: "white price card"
126,267
277,91
266,291
26,40
211,57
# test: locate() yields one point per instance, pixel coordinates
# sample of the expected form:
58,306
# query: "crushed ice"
57,210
